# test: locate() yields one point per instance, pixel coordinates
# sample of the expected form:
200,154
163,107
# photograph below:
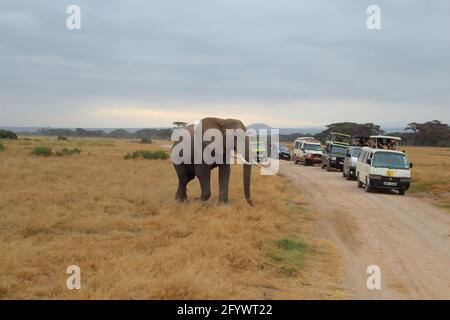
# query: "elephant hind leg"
224,178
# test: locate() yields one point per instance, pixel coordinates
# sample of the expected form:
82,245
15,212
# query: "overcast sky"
287,63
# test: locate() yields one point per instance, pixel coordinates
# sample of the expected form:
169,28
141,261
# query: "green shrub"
146,140
148,155
2,147
7,134
42,151
290,254
67,152
62,138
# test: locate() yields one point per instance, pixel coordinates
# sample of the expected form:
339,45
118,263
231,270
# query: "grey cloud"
182,53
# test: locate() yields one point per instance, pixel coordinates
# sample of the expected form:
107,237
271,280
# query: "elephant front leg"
181,194
183,179
203,173
224,179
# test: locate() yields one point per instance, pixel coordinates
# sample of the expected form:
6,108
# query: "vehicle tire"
402,192
360,184
367,186
348,176
343,173
323,165
305,163
328,166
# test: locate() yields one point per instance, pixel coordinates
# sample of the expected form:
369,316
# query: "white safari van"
307,150
383,169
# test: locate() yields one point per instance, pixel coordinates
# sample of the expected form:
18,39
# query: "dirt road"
408,238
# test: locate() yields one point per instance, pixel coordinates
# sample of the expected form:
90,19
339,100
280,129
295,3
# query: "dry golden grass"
431,173
118,220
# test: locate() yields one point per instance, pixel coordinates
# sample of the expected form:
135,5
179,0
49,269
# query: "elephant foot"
181,198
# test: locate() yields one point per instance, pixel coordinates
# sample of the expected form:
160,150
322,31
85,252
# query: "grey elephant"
187,172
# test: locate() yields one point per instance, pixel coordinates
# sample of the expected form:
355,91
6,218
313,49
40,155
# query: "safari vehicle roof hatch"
360,141
339,139
384,142
306,139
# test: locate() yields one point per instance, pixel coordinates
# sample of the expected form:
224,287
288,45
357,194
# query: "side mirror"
369,161
410,165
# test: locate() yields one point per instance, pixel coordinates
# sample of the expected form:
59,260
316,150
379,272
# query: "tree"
431,133
8,134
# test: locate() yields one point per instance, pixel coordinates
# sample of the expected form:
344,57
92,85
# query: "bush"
62,138
7,134
146,140
68,152
2,147
42,151
148,155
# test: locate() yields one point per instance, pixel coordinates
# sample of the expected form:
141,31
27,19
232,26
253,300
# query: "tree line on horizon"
430,133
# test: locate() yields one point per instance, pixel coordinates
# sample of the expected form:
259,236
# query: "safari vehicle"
384,142
283,152
258,149
351,157
334,151
383,169
307,151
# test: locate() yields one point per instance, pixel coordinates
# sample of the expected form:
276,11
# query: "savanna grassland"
431,174
117,219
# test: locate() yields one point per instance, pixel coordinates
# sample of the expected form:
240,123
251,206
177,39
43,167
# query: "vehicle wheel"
367,185
401,192
343,173
360,184
328,166
348,176
305,163
323,165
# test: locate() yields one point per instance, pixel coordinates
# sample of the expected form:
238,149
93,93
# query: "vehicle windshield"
356,152
283,148
339,150
390,160
312,147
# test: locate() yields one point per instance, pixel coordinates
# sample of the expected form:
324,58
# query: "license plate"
392,184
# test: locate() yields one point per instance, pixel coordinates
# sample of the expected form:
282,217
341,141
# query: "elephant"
187,172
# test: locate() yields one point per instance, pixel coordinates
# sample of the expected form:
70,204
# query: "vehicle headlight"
375,177
333,158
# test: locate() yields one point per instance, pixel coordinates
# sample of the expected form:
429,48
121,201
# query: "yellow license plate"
390,173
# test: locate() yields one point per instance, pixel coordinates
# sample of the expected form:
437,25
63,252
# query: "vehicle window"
283,148
356,152
297,143
390,160
312,147
366,154
361,156
339,149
